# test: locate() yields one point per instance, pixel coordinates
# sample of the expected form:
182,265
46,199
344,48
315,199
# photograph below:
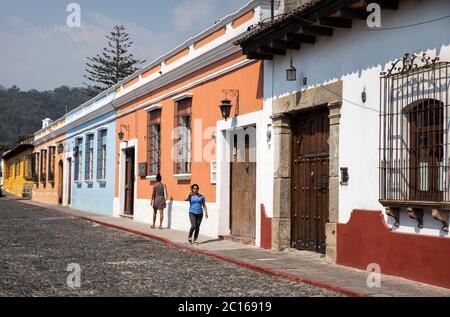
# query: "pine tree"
114,64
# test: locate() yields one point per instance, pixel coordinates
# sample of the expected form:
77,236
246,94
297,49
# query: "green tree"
114,64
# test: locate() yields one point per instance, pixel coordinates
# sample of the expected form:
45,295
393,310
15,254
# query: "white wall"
357,57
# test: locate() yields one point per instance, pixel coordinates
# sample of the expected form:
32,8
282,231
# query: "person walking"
158,202
196,210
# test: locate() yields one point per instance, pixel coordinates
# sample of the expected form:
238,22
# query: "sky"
38,50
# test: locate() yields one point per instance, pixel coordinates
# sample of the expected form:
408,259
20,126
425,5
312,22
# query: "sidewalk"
292,264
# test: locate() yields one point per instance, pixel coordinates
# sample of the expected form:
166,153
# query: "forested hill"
22,112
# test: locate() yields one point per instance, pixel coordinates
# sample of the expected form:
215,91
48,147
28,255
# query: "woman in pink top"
159,198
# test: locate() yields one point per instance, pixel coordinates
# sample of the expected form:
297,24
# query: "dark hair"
158,178
195,185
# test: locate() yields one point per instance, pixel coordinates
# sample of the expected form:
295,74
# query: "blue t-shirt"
196,204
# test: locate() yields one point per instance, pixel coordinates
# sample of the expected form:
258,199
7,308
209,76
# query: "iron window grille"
154,142
43,166
101,155
78,160
36,168
28,171
51,164
16,168
7,170
182,134
414,120
89,162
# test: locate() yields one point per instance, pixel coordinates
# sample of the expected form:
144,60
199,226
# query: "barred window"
36,168
78,153
28,167
16,168
51,164
101,155
414,152
182,148
43,166
154,142
89,163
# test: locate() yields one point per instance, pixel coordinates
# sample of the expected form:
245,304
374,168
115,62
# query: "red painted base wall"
266,230
367,239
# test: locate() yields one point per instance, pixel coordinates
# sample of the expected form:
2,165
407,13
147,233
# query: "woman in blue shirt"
197,207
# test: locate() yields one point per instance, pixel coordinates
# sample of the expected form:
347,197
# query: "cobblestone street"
37,247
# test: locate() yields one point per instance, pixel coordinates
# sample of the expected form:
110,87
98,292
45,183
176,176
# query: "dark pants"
196,221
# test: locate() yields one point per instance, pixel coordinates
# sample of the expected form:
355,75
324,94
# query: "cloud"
45,57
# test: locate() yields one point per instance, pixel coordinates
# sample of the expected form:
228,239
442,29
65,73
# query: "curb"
253,267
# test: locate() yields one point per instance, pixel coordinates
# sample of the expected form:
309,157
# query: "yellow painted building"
19,171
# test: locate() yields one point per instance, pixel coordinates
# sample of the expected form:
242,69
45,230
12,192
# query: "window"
28,168
154,142
414,156
43,166
182,148
51,164
36,168
17,168
89,163
101,155
7,170
78,154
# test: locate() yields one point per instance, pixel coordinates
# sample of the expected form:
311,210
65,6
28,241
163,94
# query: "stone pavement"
291,264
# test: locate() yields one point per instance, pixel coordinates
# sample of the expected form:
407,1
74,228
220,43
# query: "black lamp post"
225,108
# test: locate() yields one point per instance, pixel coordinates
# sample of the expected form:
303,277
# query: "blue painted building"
91,153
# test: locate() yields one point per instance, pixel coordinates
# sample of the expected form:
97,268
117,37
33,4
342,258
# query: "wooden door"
243,189
129,182
60,182
310,180
69,183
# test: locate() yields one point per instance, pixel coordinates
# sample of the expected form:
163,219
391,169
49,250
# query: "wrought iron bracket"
416,214
442,216
394,212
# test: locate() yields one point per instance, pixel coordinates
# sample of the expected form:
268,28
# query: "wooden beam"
253,55
342,23
287,45
316,30
352,13
266,50
301,38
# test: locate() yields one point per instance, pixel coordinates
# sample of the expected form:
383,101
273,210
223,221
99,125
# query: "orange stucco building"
169,122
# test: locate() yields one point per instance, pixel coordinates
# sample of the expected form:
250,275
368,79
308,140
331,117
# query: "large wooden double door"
310,180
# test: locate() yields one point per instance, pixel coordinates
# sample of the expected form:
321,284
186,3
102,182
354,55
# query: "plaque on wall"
142,169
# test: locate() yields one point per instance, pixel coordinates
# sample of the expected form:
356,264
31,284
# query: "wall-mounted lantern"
291,72
60,148
225,105
225,108
121,135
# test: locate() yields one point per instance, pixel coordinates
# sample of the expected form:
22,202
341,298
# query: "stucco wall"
357,57
96,197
